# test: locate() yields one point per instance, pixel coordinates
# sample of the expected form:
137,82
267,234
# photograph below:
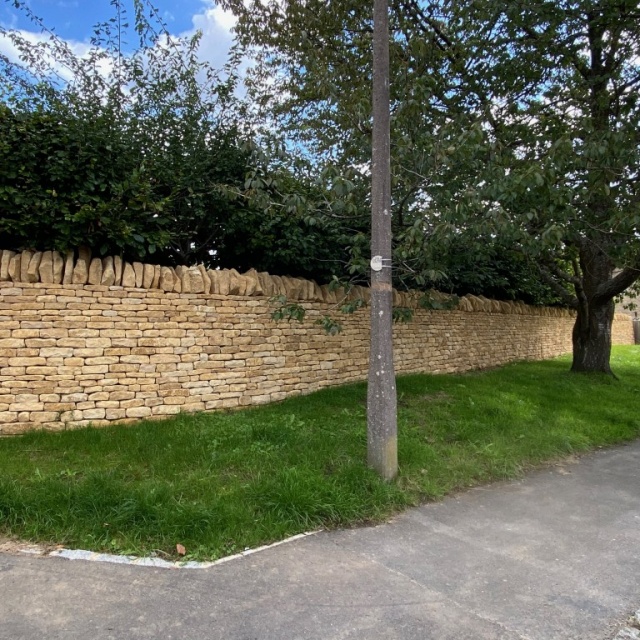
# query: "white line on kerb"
92,556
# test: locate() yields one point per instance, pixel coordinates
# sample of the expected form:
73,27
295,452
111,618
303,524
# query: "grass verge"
217,483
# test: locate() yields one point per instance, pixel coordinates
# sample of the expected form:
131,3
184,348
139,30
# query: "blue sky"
72,20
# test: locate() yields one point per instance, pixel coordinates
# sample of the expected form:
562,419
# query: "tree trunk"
592,338
596,308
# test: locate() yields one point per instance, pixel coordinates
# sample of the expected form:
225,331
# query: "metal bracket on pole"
377,263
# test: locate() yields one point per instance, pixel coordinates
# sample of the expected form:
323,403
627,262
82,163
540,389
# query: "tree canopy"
511,121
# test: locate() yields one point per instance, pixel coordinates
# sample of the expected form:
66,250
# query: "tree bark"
592,338
592,329
382,448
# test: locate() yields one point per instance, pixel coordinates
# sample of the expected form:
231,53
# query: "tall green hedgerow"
128,150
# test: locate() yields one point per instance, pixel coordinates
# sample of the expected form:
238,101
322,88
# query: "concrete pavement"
554,556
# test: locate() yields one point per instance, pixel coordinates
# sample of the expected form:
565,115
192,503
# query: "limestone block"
243,284
466,305
208,284
163,410
95,271
121,395
213,276
155,283
317,292
138,412
148,271
93,414
165,281
33,271
46,268
185,276
237,286
495,307
505,307
24,265
224,282
206,280
180,271
357,293
305,287
57,269
298,286
279,287
108,272
138,270
115,414
177,282
266,284
254,288
196,280
6,418
352,294
328,295
290,287
69,266
118,266
233,284
5,259
80,272
476,304
128,276
485,302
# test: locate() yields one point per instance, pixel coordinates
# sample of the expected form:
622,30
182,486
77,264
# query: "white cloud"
212,21
216,26
225,19
79,49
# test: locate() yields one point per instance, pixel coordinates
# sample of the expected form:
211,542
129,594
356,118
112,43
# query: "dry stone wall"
87,340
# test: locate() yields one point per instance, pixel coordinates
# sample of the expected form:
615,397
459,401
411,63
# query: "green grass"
218,483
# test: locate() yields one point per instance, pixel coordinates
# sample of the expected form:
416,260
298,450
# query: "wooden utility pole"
382,429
